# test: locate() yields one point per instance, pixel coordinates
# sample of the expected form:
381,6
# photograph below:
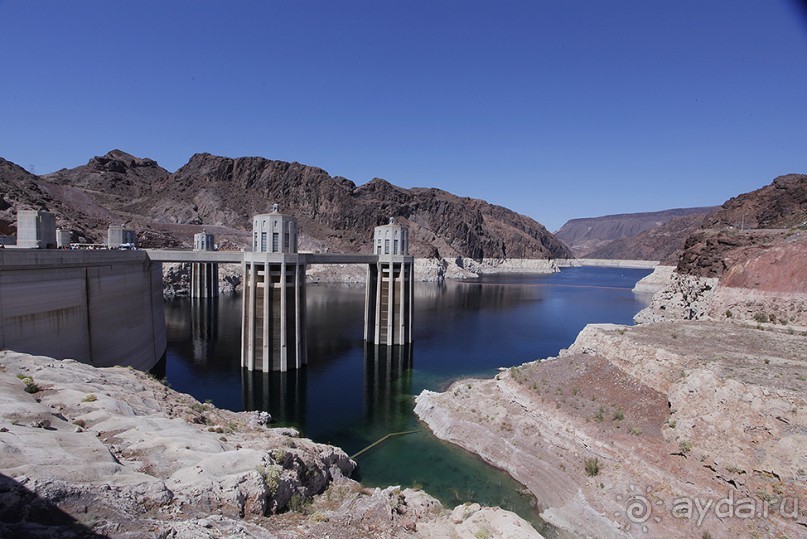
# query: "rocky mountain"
19,190
591,237
772,217
221,194
741,273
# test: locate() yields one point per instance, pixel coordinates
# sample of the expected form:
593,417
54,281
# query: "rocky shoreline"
620,432
89,452
176,277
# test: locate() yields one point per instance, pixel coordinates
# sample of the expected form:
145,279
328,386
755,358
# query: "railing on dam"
237,257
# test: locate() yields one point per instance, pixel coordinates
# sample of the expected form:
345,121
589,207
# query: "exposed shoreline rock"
606,398
114,452
654,282
177,276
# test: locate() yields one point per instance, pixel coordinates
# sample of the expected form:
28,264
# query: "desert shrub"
299,503
30,386
271,478
685,446
761,317
592,467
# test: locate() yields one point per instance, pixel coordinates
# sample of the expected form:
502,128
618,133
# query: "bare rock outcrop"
762,282
656,281
111,452
624,433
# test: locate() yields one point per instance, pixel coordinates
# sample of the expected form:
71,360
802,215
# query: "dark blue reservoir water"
351,395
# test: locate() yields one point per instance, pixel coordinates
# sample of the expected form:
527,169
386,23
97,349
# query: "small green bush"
89,398
271,478
30,386
299,503
618,415
592,467
685,446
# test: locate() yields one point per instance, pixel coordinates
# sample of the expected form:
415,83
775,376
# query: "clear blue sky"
556,109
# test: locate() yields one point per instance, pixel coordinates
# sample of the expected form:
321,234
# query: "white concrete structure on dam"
118,235
63,238
104,308
273,312
36,229
204,275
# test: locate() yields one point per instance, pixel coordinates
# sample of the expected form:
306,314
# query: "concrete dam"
105,307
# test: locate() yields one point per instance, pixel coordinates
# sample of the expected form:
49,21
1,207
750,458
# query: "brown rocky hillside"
221,194
770,220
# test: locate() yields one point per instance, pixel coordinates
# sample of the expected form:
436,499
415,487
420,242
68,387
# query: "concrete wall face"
274,233
390,239
63,238
97,307
273,317
117,235
204,280
45,312
389,298
204,242
36,229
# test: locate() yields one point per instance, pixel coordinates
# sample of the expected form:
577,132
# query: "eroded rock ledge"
87,452
615,434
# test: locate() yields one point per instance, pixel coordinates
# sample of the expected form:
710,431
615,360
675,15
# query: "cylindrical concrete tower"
204,275
273,333
389,292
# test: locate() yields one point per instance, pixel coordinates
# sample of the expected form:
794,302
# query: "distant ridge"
635,236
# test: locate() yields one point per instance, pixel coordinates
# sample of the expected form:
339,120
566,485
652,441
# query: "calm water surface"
351,395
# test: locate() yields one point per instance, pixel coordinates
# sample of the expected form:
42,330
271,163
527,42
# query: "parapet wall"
103,308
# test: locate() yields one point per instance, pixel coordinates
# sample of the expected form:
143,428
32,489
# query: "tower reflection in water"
385,400
204,328
387,383
282,394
